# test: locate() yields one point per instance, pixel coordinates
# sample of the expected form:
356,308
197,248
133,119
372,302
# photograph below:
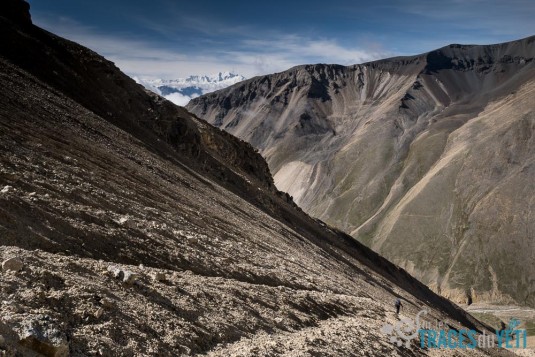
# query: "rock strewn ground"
95,207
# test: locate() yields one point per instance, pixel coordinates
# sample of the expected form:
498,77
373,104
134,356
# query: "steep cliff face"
427,159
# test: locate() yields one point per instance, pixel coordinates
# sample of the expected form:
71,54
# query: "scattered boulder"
192,239
41,336
7,189
99,313
127,222
157,276
14,264
126,276
116,272
130,277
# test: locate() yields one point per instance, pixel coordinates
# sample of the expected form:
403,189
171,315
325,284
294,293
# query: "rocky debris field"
61,305
119,238
119,252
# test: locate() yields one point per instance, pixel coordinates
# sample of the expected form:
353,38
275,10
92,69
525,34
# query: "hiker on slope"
397,304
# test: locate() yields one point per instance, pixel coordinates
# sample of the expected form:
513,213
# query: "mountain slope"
131,227
427,159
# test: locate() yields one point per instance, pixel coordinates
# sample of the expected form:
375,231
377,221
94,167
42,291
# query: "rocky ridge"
427,159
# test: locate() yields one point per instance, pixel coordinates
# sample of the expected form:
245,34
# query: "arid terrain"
129,227
428,159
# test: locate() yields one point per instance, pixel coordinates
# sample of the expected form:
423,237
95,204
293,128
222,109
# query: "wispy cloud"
177,40
294,47
474,21
416,26
247,56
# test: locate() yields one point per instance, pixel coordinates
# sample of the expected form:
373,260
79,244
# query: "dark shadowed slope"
100,179
427,159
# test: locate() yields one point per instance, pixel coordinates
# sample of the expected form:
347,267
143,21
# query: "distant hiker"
398,306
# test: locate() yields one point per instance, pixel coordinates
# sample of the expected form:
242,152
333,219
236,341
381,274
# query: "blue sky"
174,38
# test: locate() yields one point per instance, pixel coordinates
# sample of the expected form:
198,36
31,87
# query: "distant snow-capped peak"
181,90
221,79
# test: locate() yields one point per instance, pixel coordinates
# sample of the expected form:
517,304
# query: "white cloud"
179,99
300,50
245,56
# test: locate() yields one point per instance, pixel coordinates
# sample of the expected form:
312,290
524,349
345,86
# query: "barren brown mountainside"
429,159
129,227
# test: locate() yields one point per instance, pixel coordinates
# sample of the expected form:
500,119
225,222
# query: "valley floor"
493,314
